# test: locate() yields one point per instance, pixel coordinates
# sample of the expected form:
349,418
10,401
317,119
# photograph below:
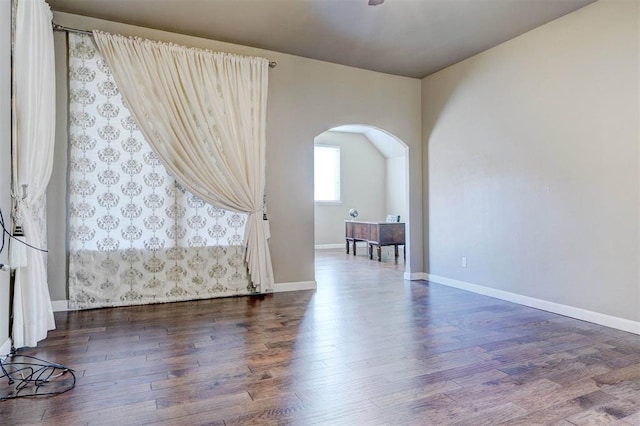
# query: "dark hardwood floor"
366,348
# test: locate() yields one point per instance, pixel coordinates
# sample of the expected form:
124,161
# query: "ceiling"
412,38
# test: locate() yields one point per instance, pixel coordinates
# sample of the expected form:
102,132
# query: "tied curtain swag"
204,115
32,164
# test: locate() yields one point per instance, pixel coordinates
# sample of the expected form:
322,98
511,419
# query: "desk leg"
379,253
370,251
347,246
396,251
354,247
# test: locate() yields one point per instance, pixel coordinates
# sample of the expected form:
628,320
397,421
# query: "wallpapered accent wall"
135,235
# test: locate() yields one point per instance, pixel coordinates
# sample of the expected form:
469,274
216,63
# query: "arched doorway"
373,179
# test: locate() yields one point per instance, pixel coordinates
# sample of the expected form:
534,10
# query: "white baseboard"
415,276
5,349
60,305
556,308
294,286
329,246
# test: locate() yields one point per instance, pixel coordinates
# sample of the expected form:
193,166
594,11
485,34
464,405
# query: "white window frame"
336,176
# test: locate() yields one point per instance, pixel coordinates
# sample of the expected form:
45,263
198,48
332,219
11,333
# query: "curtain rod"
57,27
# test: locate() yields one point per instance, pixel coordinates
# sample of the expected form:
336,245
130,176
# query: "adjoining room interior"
518,301
372,187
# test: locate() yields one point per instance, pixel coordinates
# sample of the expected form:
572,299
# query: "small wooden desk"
375,234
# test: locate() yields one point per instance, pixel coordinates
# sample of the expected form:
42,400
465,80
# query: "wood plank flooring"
366,348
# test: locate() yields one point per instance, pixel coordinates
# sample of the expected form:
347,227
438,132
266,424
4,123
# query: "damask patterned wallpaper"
135,235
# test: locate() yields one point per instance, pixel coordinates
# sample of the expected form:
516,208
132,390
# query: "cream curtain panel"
204,115
135,235
34,124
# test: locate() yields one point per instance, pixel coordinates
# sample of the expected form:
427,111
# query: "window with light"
327,174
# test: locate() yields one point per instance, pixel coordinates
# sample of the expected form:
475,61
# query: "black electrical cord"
5,232
31,375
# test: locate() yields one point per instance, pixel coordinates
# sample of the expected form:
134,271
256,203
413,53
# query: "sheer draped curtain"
32,159
204,115
136,236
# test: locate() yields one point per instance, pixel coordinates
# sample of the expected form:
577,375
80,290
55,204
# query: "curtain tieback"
17,247
19,207
264,213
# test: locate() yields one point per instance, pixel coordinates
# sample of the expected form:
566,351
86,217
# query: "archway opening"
371,177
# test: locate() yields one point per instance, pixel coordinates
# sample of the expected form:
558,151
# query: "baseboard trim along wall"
294,286
415,276
329,246
5,349
60,305
556,308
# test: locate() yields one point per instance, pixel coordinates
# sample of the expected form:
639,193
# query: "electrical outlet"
464,262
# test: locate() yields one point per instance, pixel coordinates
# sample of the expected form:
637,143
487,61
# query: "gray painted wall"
532,171
396,183
533,163
5,157
363,183
306,98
